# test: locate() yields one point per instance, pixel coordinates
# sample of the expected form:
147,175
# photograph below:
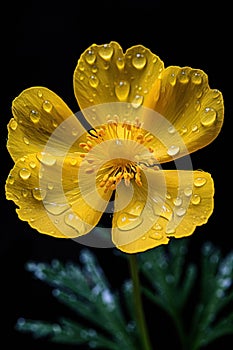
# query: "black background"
41,42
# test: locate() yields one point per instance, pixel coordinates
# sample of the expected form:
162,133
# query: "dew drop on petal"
13,124
173,150
11,179
139,61
196,78
24,192
122,90
183,77
75,222
180,211
39,93
208,116
137,208
46,158
38,193
34,116
156,235
120,63
196,199
106,52
172,79
32,165
26,141
93,81
177,201
24,173
50,186
90,57
127,222
171,129
188,191
56,208
137,101
47,106
199,181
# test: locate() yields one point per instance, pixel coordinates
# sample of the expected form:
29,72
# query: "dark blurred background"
41,42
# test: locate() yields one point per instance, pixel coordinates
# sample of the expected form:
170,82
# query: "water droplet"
183,130
139,61
120,62
157,227
90,57
183,77
46,158
194,128
47,106
156,235
188,191
50,186
171,129
162,209
34,116
180,211
81,65
13,124
127,222
215,93
56,208
197,105
196,199
38,193
54,123
24,173
177,201
94,81
208,116
24,192
170,230
199,181
73,161
11,179
137,208
137,101
26,141
94,69
172,79
122,90
75,222
173,150
39,93
32,165
81,76
106,52
196,78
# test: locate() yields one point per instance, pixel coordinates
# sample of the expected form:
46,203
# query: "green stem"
139,313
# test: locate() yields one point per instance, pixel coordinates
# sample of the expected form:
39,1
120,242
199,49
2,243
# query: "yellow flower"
135,115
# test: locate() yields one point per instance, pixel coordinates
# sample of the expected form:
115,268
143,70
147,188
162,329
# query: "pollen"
127,137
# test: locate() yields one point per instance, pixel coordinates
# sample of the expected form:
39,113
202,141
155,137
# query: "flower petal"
196,112
38,112
152,216
105,74
48,193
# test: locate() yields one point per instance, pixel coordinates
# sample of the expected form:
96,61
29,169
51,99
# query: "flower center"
118,151
120,169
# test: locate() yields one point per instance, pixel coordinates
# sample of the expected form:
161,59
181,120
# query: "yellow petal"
38,113
172,206
51,197
195,112
105,74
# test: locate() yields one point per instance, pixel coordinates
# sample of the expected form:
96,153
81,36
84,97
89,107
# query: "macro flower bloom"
139,116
